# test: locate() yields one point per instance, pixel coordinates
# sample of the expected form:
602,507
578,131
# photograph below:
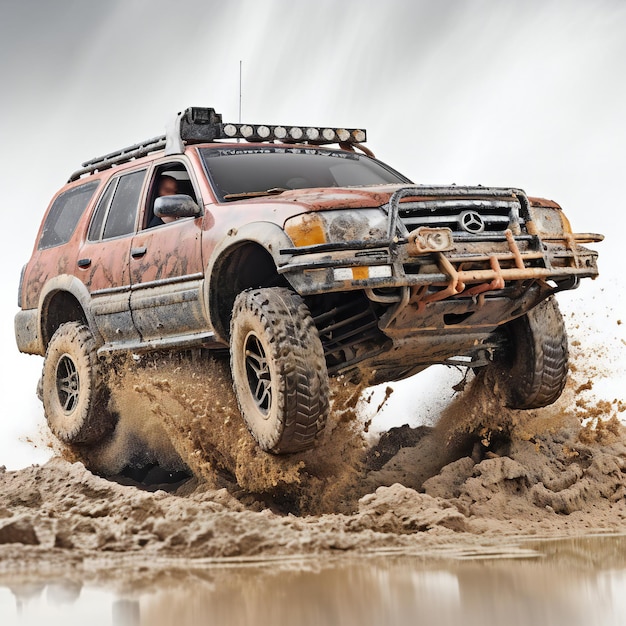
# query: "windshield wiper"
274,191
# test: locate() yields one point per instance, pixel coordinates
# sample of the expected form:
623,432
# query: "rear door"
103,260
166,267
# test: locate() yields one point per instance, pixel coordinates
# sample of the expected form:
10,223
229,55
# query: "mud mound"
398,509
473,425
550,484
539,479
512,469
63,506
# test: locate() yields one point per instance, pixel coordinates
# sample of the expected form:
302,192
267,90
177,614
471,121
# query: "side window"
64,214
123,210
95,229
117,208
168,179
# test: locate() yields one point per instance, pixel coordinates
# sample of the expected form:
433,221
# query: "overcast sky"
528,94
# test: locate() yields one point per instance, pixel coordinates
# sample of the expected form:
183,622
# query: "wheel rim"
67,383
258,374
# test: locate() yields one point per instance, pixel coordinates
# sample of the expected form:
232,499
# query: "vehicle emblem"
472,222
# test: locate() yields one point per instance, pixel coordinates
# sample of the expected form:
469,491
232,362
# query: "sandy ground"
482,475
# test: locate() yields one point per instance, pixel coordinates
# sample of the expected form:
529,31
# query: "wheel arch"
245,259
64,299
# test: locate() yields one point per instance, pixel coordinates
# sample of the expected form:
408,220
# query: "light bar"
204,125
290,134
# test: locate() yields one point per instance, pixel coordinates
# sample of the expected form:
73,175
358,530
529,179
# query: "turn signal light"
306,230
362,272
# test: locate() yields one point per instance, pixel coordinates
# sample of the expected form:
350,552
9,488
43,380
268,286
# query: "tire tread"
303,397
539,373
93,420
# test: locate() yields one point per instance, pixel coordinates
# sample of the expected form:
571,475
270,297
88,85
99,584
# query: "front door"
166,268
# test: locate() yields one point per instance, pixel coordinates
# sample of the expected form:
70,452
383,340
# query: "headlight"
550,221
313,228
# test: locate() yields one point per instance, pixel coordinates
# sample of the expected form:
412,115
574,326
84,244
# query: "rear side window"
117,209
95,229
64,214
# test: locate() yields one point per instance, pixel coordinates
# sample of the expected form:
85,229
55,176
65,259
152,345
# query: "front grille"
463,215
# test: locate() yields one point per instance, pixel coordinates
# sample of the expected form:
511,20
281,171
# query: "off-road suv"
305,261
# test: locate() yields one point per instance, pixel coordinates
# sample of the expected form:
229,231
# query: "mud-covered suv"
305,261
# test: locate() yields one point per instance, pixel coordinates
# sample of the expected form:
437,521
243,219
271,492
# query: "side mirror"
178,205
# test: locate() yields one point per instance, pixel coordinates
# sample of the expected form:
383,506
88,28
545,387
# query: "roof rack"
204,125
119,156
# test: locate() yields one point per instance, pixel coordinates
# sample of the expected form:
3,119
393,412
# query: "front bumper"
475,264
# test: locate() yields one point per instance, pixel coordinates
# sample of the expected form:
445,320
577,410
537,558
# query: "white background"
494,92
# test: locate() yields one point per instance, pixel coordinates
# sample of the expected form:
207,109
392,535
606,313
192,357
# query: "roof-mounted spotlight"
198,124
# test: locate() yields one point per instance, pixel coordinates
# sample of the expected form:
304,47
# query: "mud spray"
482,473
180,412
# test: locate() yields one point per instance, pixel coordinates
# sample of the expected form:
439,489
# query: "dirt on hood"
482,473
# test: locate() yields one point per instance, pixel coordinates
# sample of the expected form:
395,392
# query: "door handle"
137,253
83,262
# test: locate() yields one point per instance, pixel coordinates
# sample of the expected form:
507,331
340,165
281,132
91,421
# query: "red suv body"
393,276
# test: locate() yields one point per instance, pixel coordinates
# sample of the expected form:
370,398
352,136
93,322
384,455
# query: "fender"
269,236
72,285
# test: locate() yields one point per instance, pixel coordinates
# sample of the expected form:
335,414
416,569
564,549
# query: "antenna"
240,64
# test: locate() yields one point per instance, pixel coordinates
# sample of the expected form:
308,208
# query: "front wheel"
532,371
279,371
74,397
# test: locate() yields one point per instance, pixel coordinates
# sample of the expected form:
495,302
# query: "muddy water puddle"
521,581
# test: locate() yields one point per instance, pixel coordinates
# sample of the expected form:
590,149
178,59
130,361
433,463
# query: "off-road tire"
278,368
533,371
74,395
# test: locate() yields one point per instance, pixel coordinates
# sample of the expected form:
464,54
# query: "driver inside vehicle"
168,186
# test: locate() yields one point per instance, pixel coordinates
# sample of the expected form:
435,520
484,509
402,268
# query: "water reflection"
126,613
571,583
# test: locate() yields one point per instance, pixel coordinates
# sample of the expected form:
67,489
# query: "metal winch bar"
393,206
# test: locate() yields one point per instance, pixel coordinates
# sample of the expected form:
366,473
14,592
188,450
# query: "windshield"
236,172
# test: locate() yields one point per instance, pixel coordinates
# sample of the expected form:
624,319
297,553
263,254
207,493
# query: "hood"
327,198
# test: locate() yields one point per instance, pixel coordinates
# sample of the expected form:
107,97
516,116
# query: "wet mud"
480,474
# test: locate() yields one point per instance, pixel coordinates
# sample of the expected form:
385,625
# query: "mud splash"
550,484
180,412
483,472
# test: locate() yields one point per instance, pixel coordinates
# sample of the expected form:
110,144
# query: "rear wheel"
533,369
74,397
278,367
